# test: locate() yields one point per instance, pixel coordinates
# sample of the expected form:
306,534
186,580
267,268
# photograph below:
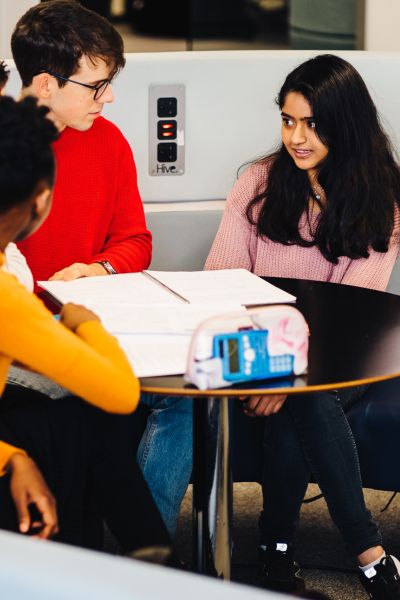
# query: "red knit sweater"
97,213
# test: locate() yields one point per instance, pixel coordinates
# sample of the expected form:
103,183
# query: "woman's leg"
311,435
331,454
285,479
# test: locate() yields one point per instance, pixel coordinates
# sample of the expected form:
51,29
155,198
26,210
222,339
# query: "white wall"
10,12
381,26
231,116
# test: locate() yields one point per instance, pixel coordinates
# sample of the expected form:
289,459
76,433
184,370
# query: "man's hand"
27,486
262,406
73,315
77,270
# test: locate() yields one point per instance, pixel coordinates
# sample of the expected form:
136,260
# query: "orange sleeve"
90,363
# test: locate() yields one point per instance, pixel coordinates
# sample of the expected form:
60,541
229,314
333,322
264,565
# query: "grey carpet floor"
319,548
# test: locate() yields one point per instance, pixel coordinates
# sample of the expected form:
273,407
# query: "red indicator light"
167,129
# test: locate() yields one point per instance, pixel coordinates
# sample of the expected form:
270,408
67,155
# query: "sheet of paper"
228,285
93,292
153,324
184,318
152,355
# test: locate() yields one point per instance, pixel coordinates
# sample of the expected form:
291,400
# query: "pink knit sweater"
238,246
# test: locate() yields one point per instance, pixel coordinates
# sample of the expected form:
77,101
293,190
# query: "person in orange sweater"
84,453
68,57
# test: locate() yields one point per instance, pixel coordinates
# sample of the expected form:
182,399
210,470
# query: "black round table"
354,340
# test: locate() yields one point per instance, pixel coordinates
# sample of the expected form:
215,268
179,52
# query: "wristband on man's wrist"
108,267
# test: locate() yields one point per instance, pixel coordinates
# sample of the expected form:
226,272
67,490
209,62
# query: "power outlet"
166,130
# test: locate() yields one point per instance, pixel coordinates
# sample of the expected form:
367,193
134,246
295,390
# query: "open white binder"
154,313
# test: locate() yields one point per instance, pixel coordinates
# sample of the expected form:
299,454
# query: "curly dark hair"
4,74
360,175
26,156
54,35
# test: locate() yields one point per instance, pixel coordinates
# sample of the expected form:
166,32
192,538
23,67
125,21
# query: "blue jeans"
310,434
165,452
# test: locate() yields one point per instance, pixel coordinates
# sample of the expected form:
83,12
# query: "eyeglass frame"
88,85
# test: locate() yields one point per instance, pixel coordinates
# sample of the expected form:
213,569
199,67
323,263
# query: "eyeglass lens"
101,89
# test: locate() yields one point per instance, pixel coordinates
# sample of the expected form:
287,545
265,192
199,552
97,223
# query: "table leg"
212,487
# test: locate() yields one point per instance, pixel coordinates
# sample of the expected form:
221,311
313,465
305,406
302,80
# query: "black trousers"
311,434
88,459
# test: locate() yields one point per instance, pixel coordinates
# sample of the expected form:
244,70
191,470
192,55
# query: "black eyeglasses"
100,88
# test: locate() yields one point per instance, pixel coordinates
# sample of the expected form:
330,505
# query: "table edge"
234,392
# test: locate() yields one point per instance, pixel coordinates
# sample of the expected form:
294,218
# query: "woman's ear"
42,202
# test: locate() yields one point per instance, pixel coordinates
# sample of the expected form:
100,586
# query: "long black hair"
360,176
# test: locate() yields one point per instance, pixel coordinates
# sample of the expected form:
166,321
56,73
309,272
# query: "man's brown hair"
54,35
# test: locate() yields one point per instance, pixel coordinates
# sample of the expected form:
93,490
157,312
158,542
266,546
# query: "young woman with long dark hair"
324,206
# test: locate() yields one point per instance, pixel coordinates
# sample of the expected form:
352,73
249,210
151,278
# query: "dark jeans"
87,458
311,435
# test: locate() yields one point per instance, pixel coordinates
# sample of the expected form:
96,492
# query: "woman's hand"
73,315
262,406
27,487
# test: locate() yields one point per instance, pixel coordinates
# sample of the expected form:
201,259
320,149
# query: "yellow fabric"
90,363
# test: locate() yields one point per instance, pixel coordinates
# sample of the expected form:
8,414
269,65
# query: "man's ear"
42,86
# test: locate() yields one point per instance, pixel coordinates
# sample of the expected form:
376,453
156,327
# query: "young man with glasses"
67,57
